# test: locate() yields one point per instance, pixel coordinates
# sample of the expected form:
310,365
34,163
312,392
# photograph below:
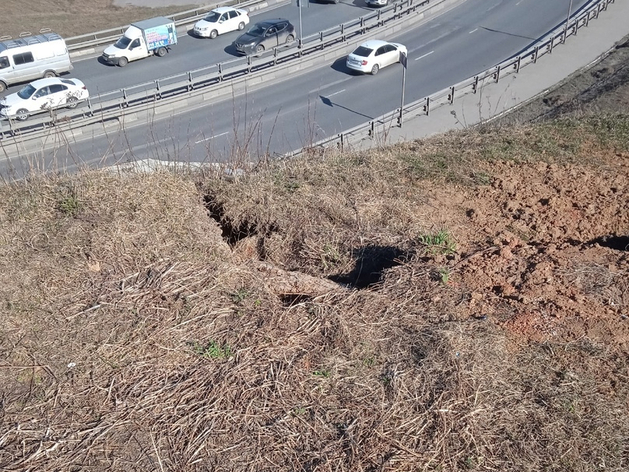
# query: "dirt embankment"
453,304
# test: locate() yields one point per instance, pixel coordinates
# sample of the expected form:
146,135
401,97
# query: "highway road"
193,53
272,119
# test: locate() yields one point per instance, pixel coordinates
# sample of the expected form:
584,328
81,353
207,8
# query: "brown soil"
593,210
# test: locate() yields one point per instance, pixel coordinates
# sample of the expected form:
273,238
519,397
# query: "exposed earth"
577,217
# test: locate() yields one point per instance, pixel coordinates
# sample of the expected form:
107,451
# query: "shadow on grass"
371,262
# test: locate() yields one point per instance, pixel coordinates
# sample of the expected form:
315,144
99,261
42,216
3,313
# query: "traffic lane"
339,102
285,116
192,53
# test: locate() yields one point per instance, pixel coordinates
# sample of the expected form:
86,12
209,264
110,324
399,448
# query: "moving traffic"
321,100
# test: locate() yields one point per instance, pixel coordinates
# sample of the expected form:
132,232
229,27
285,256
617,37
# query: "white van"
32,57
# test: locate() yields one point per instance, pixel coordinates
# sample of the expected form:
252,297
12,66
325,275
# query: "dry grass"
72,17
139,334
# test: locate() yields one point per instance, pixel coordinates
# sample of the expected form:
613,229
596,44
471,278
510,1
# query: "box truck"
32,57
142,39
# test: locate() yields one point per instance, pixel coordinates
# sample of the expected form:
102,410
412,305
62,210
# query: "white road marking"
211,137
473,31
335,93
336,82
427,54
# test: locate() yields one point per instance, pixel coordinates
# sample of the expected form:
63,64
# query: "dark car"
265,35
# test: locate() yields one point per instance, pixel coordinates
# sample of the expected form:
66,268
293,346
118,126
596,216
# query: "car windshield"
213,17
26,92
256,31
122,43
362,51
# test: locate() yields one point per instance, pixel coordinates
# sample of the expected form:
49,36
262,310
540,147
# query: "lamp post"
404,62
565,30
300,33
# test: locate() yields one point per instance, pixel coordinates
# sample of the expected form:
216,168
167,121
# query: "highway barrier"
371,129
223,78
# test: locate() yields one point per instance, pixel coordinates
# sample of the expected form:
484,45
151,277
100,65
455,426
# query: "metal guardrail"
448,95
109,105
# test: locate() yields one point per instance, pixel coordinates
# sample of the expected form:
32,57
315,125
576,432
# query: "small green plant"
322,373
292,186
369,361
299,411
330,256
211,350
439,243
469,463
69,205
482,178
239,295
444,275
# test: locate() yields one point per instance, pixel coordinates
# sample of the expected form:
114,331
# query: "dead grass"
72,17
142,327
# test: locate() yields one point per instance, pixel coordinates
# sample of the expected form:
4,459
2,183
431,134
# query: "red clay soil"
558,269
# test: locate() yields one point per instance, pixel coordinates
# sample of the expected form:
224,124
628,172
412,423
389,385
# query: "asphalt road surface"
276,118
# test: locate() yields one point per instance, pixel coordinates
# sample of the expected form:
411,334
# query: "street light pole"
404,62
300,33
565,30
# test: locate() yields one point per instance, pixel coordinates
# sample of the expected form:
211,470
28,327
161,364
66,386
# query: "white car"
373,55
221,20
377,3
43,95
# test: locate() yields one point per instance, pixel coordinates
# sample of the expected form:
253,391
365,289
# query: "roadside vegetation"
450,304
459,303
73,17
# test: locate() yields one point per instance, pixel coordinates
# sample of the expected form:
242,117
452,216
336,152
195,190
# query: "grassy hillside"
453,304
72,17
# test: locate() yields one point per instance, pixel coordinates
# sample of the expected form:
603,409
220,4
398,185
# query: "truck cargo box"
158,32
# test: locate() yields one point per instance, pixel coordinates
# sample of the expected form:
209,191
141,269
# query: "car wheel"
72,102
375,69
241,26
161,52
259,49
123,61
49,74
290,38
213,34
21,115
3,86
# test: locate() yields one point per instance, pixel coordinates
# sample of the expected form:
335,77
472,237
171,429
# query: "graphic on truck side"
159,36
